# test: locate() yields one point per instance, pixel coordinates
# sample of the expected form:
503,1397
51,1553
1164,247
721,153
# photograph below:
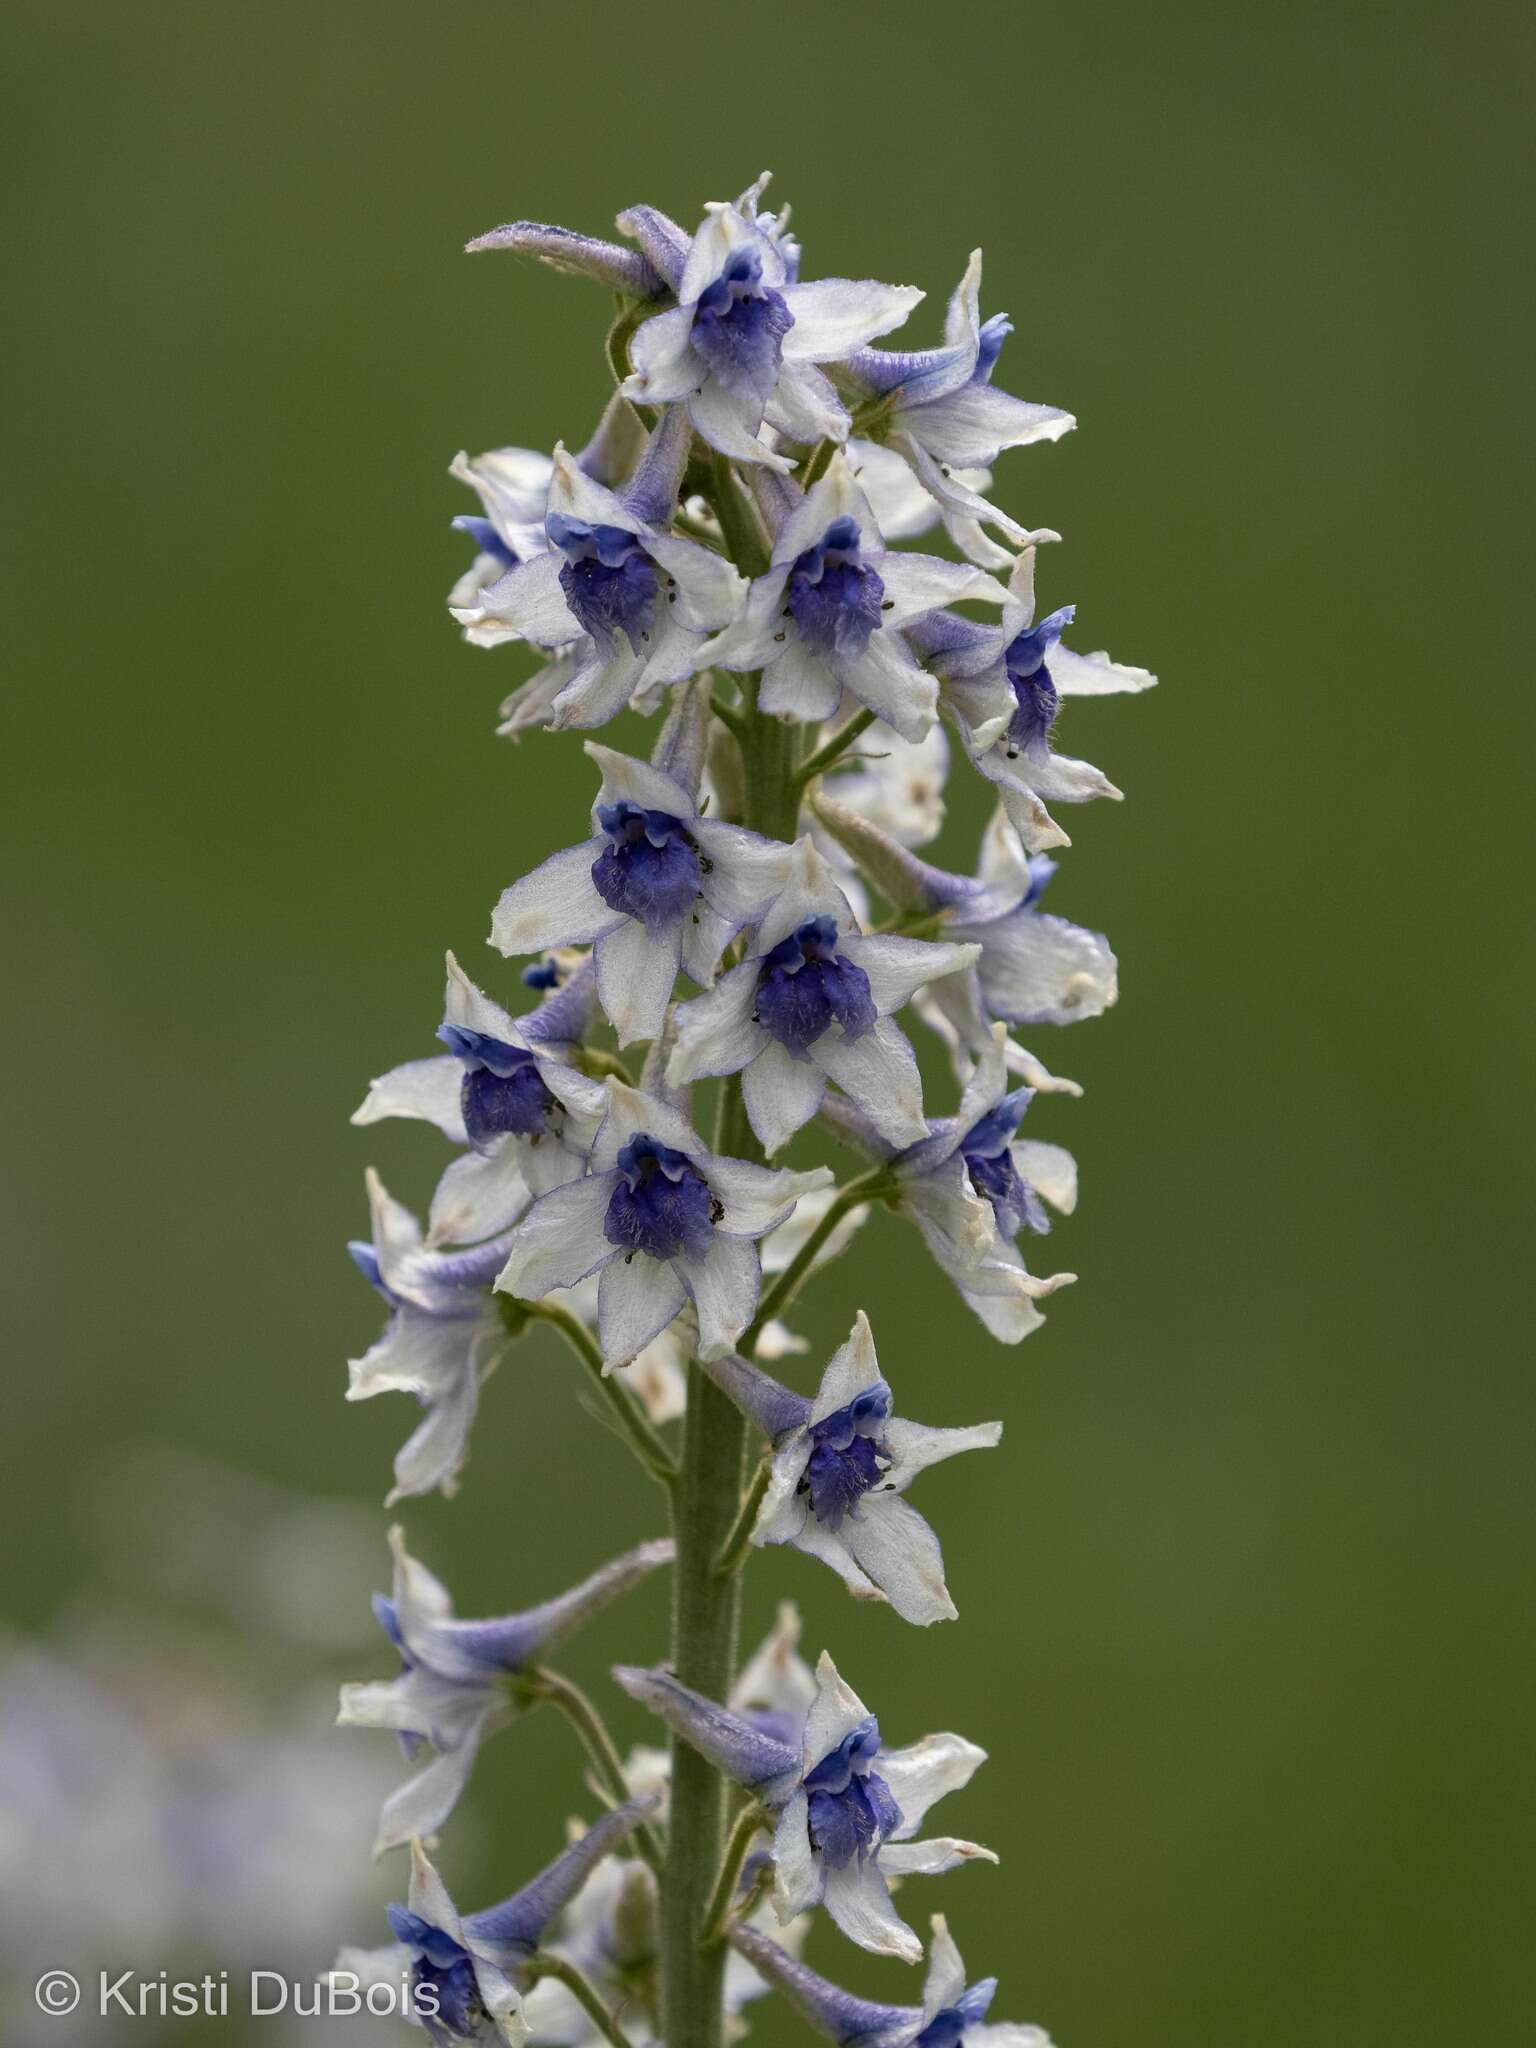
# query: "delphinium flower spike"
727,961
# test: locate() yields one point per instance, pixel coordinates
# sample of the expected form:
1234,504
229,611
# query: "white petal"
1039,969
428,1089
530,600
636,970
1094,675
432,1456
724,1286
730,424
418,1354
429,1898
836,1712
715,1032
805,405
636,1299
599,690
710,591
838,495
560,1240
887,678
972,426
923,583
797,1869
931,1858
799,684
944,1984
421,1805
879,1073
836,315
749,641
914,1446
665,365
851,1370
895,1547
925,1772
479,1195
747,870
638,782
631,1111
1049,1169
556,905
859,1901
810,891
706,934
757,1198
780,1094
898,968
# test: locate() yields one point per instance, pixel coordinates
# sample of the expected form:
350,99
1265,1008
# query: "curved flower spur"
728,549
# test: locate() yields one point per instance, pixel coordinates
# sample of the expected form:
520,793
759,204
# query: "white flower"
453,1687
663,1221
945,419
640,599
848,1827
812,1002
972,1186
740,344
508,1090
828,614
840,1466
657,884
1003,685
444,1335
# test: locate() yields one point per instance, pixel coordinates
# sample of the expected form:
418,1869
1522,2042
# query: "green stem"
633,1426
563,1693
544,1965
749,1824
874,1186
839,743
707,1499
738,1542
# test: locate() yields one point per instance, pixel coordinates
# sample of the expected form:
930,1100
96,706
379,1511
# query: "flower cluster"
733,953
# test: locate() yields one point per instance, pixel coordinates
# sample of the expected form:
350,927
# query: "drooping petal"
556,905
879,1072
529,599
428,1089
560,1240
897,968
724,1287
480,1194
835,315
781,1095
636,970
924,1772
636,1299
887,677
756,1199
898,1552
859,1901
716,1032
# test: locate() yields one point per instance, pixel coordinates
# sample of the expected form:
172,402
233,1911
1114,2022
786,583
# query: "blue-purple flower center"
440,1965
805,985
739,325
502,1089
851,1811
847,1458
1034,693
610,582
834,597
986,1150
650,867
543,974
661,1205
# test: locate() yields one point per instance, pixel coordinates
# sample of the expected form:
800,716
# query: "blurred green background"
1244,1599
